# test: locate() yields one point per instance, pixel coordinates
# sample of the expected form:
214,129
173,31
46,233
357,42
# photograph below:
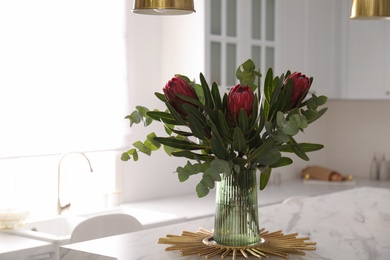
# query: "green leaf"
269,127
218,148
192,155
264,177
197,127
125,157
175,115
208,181
290,128
192,101
143,148
239,142
283,161
249,65
151,137
199,92
268,86
206,92
182,174
281,137
306,147
269,158
222,166
182,133
194,111
243,120
285,100
280,120
261,150
216,96
298,150
213,173
179,144
201,190
278,84
160,96
311,104
162,116
142,110
318,115
134,118
321,100
223,125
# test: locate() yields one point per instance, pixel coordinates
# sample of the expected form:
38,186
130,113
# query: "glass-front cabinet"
348,59
235,31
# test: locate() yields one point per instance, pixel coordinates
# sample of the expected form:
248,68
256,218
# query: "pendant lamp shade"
163,7
370,9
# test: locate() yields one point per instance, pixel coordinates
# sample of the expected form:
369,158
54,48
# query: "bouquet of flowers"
248,128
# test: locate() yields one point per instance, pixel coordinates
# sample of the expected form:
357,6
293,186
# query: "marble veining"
352,224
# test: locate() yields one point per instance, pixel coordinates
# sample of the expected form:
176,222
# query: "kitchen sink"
58,229
55,229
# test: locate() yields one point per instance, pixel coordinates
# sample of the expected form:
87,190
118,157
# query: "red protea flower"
300,87
178,85
239,97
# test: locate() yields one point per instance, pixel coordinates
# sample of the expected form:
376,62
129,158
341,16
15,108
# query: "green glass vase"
236,220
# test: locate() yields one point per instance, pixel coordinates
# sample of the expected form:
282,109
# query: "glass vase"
236,220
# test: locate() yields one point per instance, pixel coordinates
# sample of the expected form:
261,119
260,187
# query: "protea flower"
300,87
239,97
178,85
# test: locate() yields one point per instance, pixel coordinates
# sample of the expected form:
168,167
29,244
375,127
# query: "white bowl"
12,217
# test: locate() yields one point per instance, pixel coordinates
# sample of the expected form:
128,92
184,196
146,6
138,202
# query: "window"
62,76
235,31
62,89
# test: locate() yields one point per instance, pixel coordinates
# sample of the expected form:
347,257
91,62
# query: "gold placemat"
201,243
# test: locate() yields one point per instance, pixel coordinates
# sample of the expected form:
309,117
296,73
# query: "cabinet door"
235,31
368,59
309,40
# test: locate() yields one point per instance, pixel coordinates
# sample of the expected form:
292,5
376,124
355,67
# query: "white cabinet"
309,39
348,59
368,59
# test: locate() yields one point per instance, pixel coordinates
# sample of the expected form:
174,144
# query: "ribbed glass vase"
236,215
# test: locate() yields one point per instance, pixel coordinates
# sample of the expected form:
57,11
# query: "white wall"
159,47
351,130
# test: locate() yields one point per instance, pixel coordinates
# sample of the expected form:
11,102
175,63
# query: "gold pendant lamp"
370,9
163,7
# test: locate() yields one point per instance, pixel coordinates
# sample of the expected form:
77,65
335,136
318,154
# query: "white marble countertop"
16,247
352,224
191,207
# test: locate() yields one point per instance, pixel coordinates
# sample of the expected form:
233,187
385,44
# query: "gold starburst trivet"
202,244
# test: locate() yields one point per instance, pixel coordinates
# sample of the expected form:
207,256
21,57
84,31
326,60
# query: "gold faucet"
60,208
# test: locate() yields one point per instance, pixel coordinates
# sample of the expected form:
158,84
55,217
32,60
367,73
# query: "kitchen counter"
191,207
351,224
14,247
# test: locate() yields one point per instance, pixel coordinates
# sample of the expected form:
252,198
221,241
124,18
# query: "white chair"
294,199
104,226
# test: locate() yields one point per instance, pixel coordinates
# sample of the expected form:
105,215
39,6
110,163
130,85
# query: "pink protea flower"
239,97
300,87
178,85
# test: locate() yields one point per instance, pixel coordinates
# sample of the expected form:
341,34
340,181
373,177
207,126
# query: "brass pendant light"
163,7
370,9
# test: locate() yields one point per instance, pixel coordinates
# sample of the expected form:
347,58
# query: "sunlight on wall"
62,88
33,181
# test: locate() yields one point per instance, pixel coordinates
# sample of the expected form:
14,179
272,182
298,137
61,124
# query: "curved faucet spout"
60,208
